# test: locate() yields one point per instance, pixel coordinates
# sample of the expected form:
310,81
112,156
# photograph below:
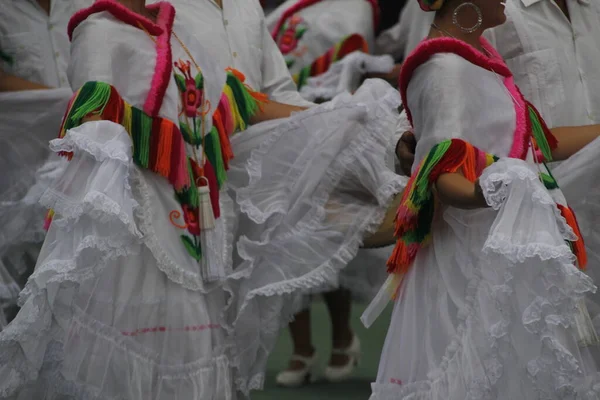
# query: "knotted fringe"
545,142
578,246
157,142
238,104
348,45
416,211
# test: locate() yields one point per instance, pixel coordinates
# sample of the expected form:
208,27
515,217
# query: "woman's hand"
405,151
274,110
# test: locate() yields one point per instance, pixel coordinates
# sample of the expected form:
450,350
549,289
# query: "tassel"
584,327
206,216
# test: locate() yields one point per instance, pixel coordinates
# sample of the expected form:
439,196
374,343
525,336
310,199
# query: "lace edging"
561,277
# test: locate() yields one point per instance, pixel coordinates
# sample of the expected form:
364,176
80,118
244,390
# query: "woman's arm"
11,83
274,110
455,190
571,139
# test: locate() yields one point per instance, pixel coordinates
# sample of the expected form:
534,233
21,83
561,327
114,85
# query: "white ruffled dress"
117,308
28,121
488,309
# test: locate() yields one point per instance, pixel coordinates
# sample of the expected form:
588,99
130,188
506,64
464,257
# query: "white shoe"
343,372
289,378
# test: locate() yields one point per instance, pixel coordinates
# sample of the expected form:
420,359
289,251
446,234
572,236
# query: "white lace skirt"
309,188
28,121
578,180
100,316
116,309
487,310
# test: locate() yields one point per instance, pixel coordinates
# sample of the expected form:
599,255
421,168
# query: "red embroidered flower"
191,219
191,95
289,40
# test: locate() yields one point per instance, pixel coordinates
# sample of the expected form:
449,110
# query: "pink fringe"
430,47
227,115
481,162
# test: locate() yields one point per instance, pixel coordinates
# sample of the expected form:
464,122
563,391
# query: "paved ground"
356,389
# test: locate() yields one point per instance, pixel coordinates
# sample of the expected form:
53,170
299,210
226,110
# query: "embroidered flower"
291,35
191,94
191,220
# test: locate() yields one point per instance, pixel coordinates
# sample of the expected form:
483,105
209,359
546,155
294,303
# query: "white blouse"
325,24
37,42
554,60
238,37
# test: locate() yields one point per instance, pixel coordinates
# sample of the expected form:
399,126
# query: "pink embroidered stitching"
396,381
117,10
164,58
162,329
522,128
495,64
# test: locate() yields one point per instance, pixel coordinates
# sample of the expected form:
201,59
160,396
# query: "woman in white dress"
487,272
169,265
34,90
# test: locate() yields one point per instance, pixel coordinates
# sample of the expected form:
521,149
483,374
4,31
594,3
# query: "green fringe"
91,98
189,196
540,137
247,105
141,127
422,192
303,76
424,222
214,155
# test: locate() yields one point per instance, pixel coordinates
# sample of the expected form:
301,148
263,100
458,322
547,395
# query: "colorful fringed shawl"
416,211
159,143
348,45
302,4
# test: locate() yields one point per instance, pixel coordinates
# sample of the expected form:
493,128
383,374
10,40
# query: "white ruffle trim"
283,296
556,373
345,75
32,345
